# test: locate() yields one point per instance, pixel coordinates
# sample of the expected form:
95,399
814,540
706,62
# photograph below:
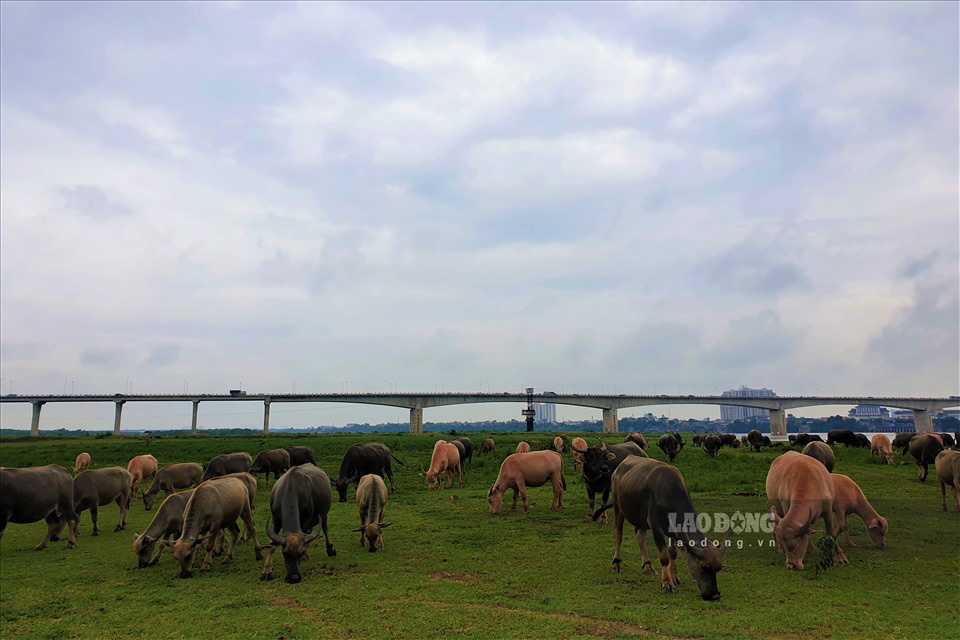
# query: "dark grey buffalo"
299,502
698,440
166,524
902,441
729,440
487,446
924,448
301,455
171,478
228,463
651,495
39,493
822,452
846,437
803,439
863,441
361,459
755,439
712,445
275,461
948,440
467,454
669,445
599,463
99,487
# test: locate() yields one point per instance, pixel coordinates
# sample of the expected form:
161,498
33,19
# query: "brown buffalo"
228,463
275,461
165,525
924,448
880,446
947,465
301,455
521,470
39,493
372,501
558,444
848,498
487,446
445,460
172,477
82,463
99,487
523,447
641,442
140,468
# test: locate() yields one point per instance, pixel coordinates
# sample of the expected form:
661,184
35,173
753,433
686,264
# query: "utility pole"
529,412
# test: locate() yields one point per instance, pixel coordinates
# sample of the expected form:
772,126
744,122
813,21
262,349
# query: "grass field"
449,569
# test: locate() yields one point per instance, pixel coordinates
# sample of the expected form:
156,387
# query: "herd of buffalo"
215,500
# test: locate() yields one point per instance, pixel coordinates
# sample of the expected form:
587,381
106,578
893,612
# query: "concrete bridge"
923,408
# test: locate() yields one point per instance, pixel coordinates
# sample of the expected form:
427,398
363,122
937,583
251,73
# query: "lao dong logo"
738,522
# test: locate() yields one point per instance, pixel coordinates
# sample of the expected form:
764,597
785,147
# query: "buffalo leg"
234,532
666,581
268,564
211,543
922,472
557,495
833,531
843,528
160,547
122,503
673,565
526,501
53,524
95,518
389,471
642,543
326,536
617,539
252,528
604,497
943,494
516,492
590,497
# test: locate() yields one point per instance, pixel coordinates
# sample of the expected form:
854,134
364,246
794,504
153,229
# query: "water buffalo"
948,440
924,448
523,447
641,442
652,495
577,444
679,439
804,438
846,437
361,459
445,461
698,440
299,502
140,468
228,463
599,463
371,501
165,525
487,446
216,504
98,487
848,498
462,451
712,445
863,442
521,470
755,439
301,455
729,440
799,491
669,445
822,452
558,445
173,476
39,493
275,461
880,446
467,449
902,441
947,465
82,463
767,442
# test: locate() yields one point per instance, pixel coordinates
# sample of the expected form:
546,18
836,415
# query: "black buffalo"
755,438
902,441
729,440
842,436
862,441
301,455
804,438
467,454
361,459
669,445
599,462
712,444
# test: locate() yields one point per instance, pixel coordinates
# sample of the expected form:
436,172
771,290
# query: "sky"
652,197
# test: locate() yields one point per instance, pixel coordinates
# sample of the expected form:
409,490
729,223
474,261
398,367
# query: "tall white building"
545,412
745,413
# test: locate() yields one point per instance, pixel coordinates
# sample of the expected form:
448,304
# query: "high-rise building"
545,412
745,413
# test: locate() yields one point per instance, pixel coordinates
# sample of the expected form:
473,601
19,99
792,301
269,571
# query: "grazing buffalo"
799,491
228,463
82,463
275,461
171,478
487,446
755,439
848,498
863,442
729,440
744,441
299,502
947,465
301,455
519,471
371,501
39,493
948,440
99,487
846,437
822,452
467,449
652,495
361,459
523,447
902,441
216,504
697,440
805,438
558,445
462,450
577,444
140,468
712,445
679,439
444,462
669,445
599,463
880,446
767,442
924,448
165,525
639,440
792,438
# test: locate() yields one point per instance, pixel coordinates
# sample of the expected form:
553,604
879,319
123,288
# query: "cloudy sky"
640,197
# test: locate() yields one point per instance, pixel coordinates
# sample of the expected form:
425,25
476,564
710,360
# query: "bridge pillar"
610,423
35,421
116,417
922,423
778,422
416,420
266,417
193,423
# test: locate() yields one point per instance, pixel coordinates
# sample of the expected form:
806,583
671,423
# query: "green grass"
449,569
